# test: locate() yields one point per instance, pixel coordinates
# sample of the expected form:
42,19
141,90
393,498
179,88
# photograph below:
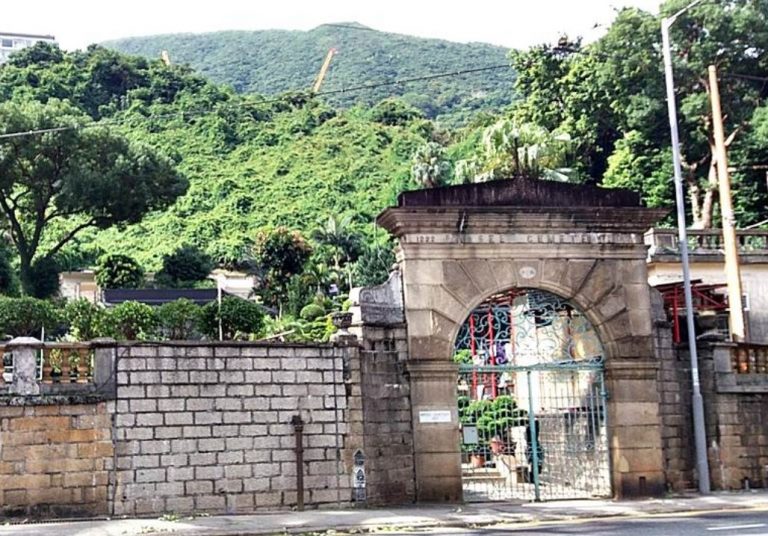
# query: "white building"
13,42
707,263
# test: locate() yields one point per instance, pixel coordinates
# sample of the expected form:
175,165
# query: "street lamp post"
699,429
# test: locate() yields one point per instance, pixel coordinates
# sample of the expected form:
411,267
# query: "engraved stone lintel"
523,238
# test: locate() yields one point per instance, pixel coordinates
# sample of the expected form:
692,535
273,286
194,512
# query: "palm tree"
337,234
430,169
511,150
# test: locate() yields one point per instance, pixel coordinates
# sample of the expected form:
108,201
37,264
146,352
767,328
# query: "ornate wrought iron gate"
531,400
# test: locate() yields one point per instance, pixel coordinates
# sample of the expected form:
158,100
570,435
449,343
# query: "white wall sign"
433,416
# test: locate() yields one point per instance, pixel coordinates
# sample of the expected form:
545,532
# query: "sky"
510,23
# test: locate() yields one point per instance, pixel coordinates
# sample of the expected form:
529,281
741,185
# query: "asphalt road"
743,523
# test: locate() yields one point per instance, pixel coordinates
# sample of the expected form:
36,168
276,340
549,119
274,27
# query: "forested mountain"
590,113
274,61
249,163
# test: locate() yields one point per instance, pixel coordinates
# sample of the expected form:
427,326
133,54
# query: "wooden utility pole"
730,244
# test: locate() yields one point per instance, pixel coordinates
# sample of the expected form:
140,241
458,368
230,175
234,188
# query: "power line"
745,77
283,98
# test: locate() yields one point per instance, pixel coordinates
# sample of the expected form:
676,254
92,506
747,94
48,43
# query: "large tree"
57,183
610,97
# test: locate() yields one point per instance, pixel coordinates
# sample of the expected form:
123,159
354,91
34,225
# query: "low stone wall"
53,457
737,436
206,428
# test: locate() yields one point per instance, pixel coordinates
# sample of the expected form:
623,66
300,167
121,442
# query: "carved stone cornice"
506,220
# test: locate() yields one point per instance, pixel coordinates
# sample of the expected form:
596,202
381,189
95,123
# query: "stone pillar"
24,350
634,420
105,366
435,430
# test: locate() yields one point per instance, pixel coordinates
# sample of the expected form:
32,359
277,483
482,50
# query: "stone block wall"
53,457
385,420
674,380
208,428
737,436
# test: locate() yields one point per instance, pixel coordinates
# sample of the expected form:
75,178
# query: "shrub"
85,319
118,271
179,320
311,312
131,321
26,317
277,256
238,318
187,264
463,357
394,112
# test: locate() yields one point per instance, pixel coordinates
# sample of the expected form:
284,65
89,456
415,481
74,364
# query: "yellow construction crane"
323,70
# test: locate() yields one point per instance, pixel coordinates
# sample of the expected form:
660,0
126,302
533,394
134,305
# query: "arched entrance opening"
531,400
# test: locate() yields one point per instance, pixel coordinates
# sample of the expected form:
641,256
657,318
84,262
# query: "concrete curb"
475,515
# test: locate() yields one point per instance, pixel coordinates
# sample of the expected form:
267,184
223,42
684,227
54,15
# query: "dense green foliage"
9,284
179,320
288,187
610,97
118,271
277,256
311,311
185,267
238,318
81,177
27,317
130,321
85,319
251,166
274,61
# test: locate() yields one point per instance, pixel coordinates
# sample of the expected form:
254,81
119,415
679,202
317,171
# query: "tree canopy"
274,61
610,97
88,177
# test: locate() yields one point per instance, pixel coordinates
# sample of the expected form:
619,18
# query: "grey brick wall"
737,438
380,408
206,428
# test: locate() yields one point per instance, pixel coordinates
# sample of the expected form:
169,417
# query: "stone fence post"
24,351
105,366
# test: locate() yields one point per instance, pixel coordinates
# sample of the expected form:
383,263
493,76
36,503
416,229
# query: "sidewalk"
477,514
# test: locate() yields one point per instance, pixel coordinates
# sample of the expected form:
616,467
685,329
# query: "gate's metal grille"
531,401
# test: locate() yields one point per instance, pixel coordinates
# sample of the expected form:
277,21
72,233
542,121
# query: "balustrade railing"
55,367
709,241
749,358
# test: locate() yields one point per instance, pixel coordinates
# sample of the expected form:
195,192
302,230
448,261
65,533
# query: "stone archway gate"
459,245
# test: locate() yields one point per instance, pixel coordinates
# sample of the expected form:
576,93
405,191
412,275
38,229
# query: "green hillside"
274,61
291,161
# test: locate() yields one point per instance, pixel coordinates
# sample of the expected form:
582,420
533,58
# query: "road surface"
736,523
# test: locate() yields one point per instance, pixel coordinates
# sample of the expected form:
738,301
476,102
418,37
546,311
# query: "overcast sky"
512,23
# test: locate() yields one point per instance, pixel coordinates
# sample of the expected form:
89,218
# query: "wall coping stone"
53,400
225,344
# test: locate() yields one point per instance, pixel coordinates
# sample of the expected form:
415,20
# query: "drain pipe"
298,428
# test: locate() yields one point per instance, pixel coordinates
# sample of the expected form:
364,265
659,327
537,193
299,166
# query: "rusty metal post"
298,428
